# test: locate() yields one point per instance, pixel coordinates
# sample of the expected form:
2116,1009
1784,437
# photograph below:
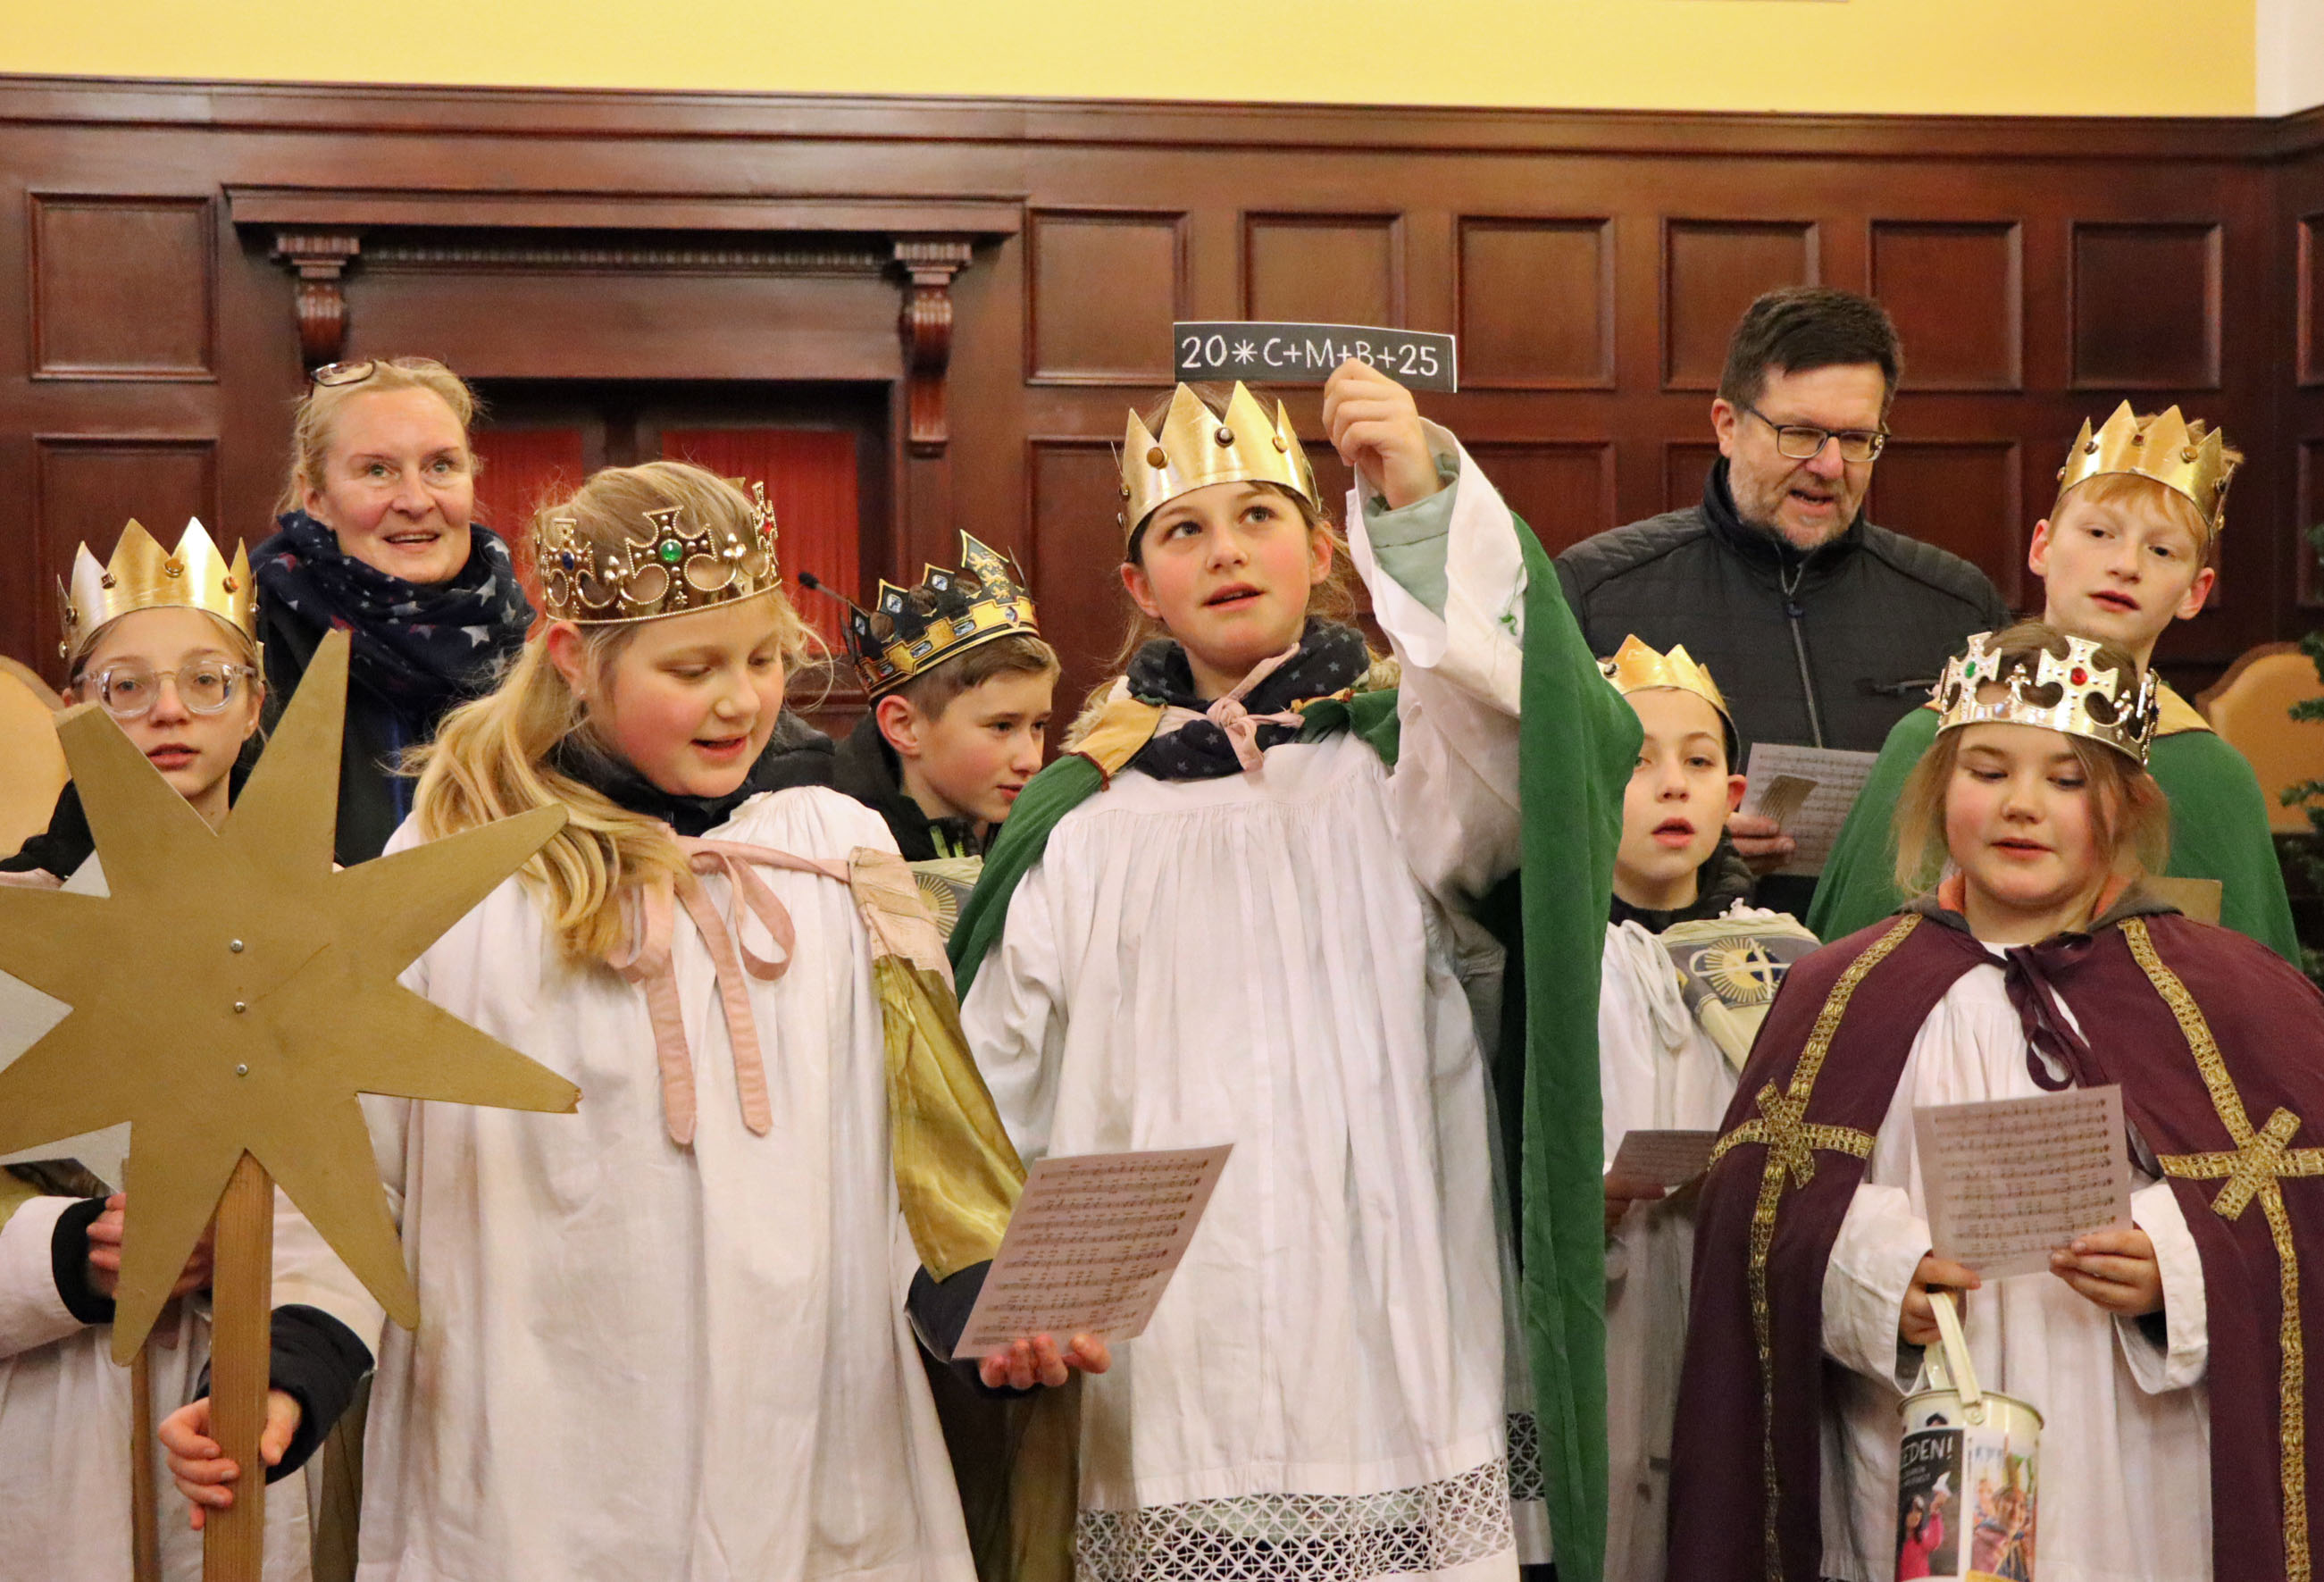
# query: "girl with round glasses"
172,655
163,640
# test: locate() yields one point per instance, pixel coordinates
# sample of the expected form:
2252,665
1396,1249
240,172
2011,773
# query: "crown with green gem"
2103,705
663,566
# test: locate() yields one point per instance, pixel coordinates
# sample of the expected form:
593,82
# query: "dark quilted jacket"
1877,615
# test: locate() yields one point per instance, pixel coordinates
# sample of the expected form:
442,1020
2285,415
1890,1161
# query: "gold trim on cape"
1791,1143
2256,1169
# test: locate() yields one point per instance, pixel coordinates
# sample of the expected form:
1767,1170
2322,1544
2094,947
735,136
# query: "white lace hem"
1419,1531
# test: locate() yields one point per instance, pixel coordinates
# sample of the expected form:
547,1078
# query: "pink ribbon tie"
646,963
1237,724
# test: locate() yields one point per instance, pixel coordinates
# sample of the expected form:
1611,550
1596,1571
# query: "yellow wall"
2021,57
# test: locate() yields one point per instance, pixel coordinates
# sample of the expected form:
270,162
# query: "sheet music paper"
1092,1247
1663,1159
1812,816
2012,1181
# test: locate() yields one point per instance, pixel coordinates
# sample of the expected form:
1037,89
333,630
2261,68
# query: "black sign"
1305,353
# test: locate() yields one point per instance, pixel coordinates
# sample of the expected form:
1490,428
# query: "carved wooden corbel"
320,258
929,263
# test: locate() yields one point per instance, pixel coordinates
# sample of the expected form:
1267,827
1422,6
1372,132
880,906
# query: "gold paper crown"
143,576
1636,667
664,565
2163,450
910,631
2101,704
1198,447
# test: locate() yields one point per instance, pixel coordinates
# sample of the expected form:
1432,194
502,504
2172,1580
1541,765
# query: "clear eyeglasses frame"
1805,443
128,691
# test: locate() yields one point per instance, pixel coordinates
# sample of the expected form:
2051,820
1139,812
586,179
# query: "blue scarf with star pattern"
422,647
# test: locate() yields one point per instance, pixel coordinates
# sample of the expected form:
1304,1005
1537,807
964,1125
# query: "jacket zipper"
1795,613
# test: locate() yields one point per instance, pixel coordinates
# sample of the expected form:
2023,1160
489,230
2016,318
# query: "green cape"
2218,830
1577,740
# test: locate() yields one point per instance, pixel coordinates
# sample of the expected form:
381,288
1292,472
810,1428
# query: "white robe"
65,1419
2125,1466
1268,959
640,1361
1657,1070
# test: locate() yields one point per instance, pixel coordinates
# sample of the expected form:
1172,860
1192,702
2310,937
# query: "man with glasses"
1823,629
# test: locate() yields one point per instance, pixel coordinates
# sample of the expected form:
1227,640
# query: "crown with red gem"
908,632
664,565
2104,706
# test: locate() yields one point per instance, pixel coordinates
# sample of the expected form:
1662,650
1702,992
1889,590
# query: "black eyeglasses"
330,375
1805,443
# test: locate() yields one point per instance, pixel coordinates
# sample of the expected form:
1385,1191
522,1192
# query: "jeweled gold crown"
2105,705
143,576
2163,450
664,565
1636,667
1198,447
910,631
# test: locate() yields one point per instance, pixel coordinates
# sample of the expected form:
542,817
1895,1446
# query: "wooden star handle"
242,1291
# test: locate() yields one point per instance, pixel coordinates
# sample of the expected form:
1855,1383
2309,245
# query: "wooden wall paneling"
122,287
1711,272
1686,463
1966,495
1534,303
1333,477
592,324
1564,489
2307,562
1103,289
87,486
2145,305
1075,546
2309,287
1956,290
1324,268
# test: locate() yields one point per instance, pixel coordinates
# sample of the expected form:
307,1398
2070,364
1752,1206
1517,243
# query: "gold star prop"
233,993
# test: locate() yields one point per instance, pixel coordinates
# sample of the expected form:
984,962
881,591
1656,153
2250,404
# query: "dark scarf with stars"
1332,658
423,647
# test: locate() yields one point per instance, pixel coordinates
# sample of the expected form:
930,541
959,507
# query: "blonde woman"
376,534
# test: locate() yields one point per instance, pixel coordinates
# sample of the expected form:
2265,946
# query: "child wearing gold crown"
2131,545
960,683
162,640
1245,909
2166,1358
1687,972
669,1337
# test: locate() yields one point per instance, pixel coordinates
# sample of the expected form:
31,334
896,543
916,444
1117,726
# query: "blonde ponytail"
493,757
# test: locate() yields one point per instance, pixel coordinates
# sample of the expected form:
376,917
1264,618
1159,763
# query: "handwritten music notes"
1094,1241
1663,1159
1807,791
2010,1181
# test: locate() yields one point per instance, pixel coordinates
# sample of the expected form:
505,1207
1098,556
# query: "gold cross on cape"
2255,1171
1792,1144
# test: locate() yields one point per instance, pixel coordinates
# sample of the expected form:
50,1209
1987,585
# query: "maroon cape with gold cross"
2220,1048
